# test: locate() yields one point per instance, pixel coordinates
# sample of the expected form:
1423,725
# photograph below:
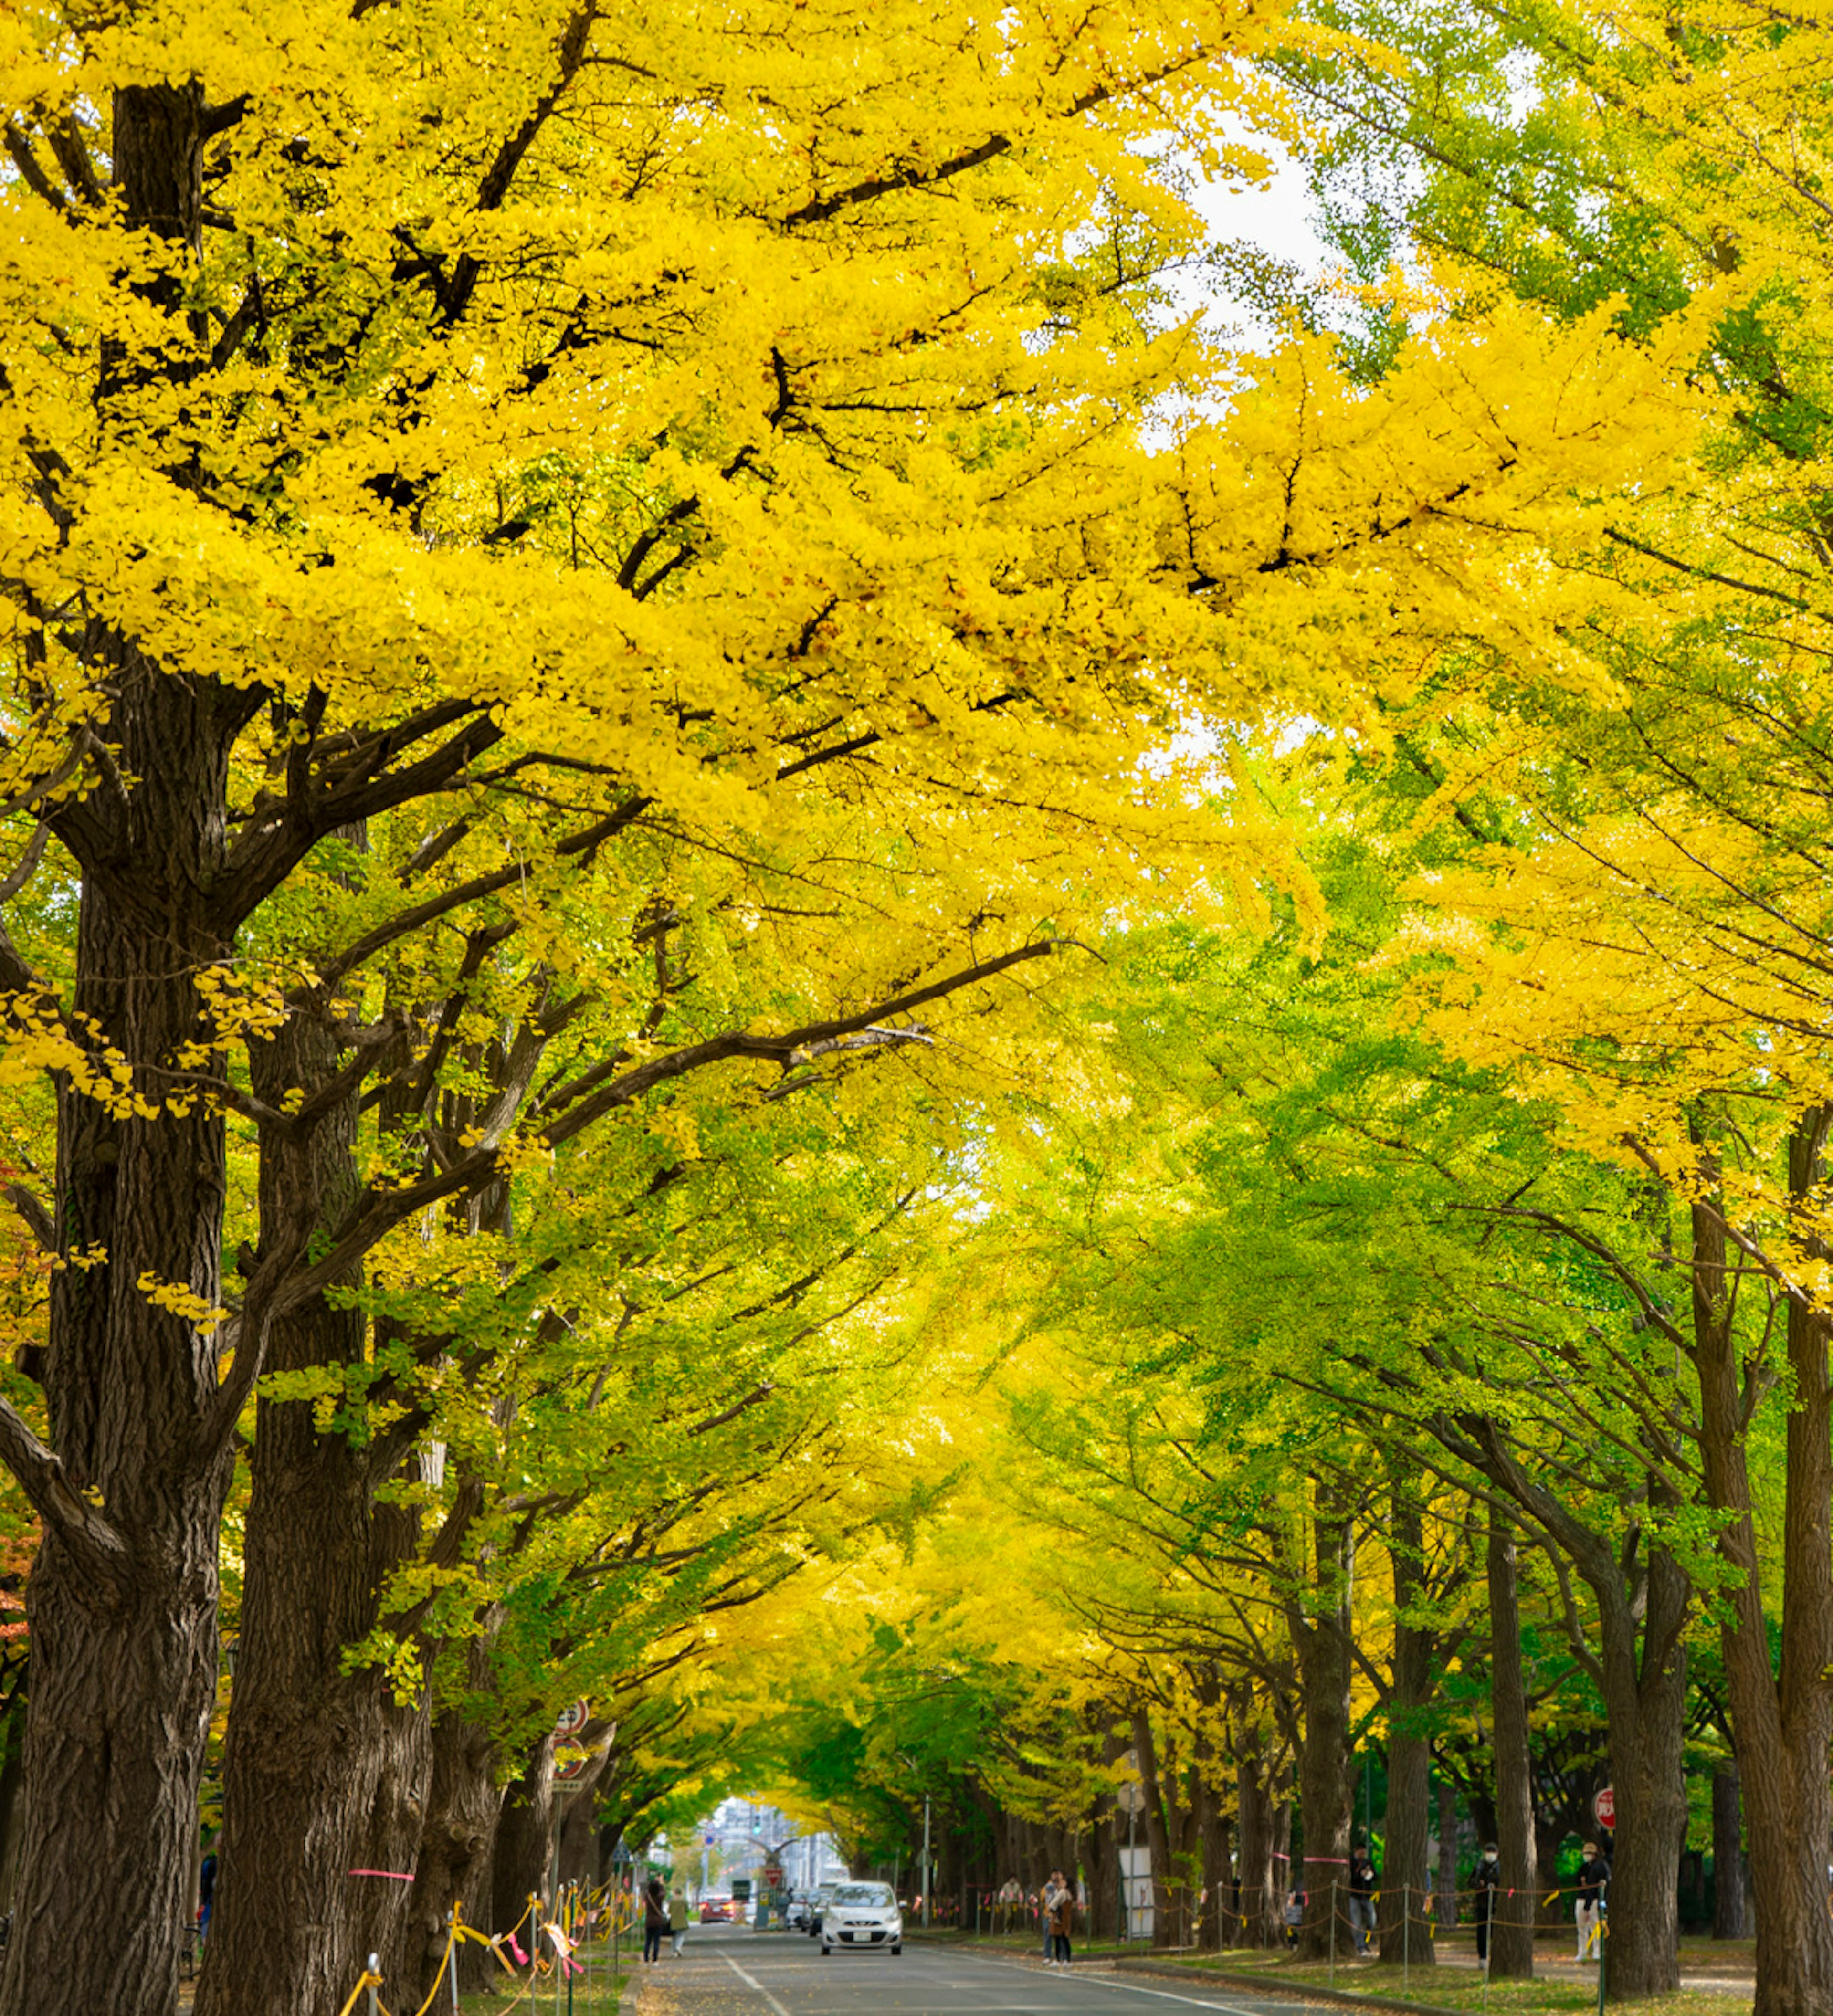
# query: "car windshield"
863,1893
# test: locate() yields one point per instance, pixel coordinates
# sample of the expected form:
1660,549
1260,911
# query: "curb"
1336,1997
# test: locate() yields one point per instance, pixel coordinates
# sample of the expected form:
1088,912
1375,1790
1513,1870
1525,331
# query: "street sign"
567,1769
1603,1808
570,1721
1130,1798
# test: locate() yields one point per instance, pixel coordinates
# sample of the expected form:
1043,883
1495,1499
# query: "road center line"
755,1986
1095,1980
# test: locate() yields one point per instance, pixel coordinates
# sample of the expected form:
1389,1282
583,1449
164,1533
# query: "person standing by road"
655,1919
678,1913
1487,1877
1363,1878
1062,1919
1588,1905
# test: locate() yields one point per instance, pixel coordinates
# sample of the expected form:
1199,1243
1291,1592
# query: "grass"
603,2001
1452,1986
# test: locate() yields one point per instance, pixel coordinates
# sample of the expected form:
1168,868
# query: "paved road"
730,1971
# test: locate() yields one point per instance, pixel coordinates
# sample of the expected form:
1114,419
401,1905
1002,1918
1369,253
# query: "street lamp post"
926,1862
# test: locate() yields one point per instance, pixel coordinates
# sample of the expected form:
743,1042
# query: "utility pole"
926,1862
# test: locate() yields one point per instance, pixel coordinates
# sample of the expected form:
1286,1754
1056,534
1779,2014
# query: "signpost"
1130,1798
568,1723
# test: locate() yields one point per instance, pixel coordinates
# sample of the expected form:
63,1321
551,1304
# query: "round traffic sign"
1604,1808
570,1719
566,1768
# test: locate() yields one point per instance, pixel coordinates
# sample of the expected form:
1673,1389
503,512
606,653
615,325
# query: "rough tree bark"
1406,1914
1260,1884
324,1768
1782,1719
1511,1932
122,1601
1159,1838
1447,1883
523,1836
1320,1627
1639,1667
457,1842
1727,1856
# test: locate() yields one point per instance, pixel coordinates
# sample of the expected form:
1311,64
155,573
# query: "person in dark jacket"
1487,1877
1364,1881
655,1919
1588,1905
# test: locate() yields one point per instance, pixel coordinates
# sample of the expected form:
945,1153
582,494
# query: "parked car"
717,1911
799,1909
861,1915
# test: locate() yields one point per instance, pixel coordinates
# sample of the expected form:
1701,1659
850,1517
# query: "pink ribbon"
393,1875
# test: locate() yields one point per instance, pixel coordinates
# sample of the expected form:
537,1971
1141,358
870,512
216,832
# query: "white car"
861,1915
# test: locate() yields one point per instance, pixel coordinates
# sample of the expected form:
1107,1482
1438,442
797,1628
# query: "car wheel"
898,1947
825,1950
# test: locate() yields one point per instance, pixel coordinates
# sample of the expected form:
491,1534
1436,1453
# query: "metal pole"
925,1882
1406,1938
375,1967
1128,1877
1603,1940
1333,1931
452,1957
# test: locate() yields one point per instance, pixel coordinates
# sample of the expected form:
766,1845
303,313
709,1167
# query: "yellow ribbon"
368,1980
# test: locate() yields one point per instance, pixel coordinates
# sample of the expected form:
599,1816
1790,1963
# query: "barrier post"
452,1957
375,1967
1603,1937
1406,1938
1333,1931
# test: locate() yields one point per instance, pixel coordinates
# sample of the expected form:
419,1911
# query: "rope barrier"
368,1980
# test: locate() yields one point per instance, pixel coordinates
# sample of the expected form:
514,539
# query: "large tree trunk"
1727,1856
324,1768
1406,1923
1644,1666
1321,1637
525,1838
1262,1889
122,1600
1782,1722
1447,1885
1642,1598
1511,1932
1157,1829
464,1803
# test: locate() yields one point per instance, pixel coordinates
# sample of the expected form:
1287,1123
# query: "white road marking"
1095,1980
755,1986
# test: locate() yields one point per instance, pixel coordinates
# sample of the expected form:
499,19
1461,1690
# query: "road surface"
728,1971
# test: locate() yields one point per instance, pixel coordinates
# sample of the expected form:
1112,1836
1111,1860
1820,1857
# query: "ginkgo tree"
1638,939
497,501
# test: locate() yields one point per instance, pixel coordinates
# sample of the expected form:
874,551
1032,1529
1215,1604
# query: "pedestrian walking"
1588,1905
206,1895
1363,1882
1297,1903
1487,1879
655,1919
677,1919
1062,1920
1047,1903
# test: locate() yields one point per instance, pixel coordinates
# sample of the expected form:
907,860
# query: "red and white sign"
570,1721
1603,1808
567,1769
